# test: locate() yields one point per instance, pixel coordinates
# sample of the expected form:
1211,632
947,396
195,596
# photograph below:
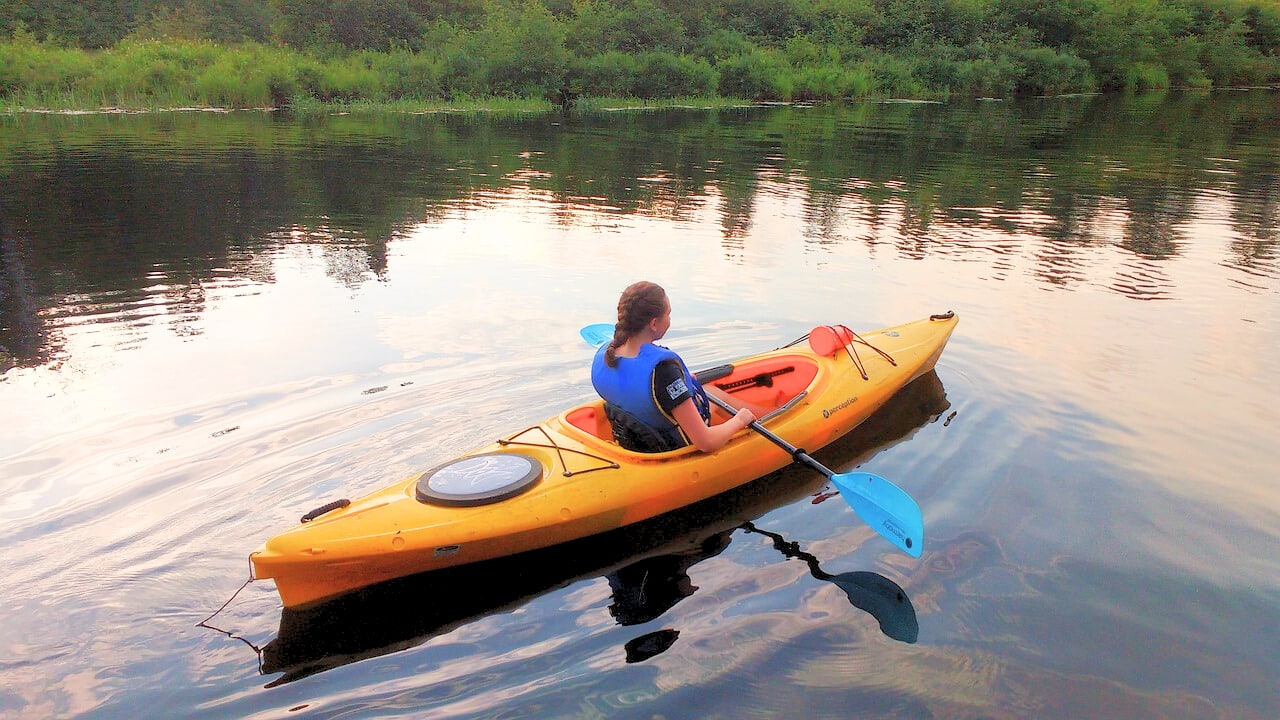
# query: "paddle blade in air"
598,334
885,507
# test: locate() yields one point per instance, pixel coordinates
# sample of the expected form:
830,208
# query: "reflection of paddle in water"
868,591
644,590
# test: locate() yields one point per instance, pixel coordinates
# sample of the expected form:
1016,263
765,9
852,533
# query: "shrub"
523,49
461,73
610,74
349,79
1045,71
895,76
987,76
252,76
723,44
227,83
831,82
40,68
407,74
1228,59
661,74
1146,76
756,76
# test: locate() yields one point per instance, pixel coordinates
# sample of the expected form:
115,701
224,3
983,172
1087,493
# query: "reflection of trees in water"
109,209
21,330
1256,216
1155,215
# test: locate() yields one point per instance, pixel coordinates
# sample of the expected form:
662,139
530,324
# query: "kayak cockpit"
771,384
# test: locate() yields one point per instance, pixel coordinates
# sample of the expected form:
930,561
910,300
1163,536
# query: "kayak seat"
590,419
636,436
613,424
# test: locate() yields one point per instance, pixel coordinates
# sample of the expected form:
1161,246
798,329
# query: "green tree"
662,74
633,26
524,50
1055,23
769,21
350,24
86,23
223,21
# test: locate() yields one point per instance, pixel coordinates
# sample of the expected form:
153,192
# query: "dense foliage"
247,52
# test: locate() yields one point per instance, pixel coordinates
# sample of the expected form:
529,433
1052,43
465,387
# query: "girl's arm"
709,439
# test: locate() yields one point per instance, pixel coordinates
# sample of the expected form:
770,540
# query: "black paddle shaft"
795,452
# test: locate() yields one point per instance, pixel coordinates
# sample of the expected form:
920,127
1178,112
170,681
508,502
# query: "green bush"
407,74
348,79
824,82
1146,76
895,76
611,74
1050,72
1182,60
858,80
251,76
227,83
1229,59
40,68
988,76
757,75
524,51
661,74
461,73
723,44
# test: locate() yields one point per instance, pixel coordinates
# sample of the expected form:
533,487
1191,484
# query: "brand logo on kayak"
832,411
447,550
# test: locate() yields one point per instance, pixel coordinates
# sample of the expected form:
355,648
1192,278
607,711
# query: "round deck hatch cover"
479,479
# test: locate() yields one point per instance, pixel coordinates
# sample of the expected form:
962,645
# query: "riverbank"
151,75
307,105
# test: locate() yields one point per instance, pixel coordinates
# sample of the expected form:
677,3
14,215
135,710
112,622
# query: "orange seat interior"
591,419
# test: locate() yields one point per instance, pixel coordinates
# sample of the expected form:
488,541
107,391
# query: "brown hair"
640,302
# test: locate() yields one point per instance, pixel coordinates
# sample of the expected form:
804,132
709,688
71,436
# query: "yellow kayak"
565,478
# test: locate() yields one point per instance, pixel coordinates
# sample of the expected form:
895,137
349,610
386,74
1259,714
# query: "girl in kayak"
651,399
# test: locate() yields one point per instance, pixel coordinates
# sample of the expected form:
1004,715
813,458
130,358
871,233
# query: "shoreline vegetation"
539,55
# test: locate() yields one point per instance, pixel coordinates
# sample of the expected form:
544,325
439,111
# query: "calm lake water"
213,323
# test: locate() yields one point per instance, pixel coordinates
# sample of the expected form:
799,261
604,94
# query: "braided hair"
640,303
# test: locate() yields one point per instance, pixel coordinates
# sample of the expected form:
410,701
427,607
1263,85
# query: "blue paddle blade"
884,506
598,334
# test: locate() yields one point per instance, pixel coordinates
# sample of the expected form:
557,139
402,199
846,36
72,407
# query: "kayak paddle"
598,334
887,508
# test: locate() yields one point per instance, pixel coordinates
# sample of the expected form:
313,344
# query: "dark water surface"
212,323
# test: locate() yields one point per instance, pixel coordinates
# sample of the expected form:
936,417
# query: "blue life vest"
630,386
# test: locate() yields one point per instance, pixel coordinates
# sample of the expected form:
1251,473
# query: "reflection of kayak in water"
646,565
565,478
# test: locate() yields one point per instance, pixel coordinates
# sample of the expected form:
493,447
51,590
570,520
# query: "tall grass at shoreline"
153,74
141,74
